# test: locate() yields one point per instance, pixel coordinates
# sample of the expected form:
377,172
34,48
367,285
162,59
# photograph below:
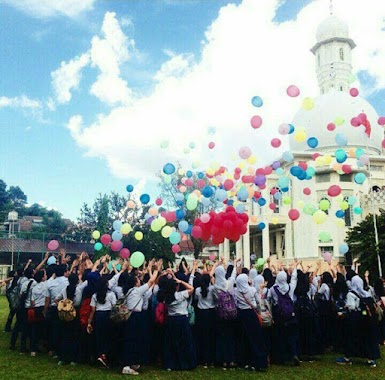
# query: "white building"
281,236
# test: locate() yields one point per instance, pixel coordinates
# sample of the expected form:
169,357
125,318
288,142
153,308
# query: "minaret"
333,52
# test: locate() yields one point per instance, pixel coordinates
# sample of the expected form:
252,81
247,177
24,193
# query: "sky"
90,90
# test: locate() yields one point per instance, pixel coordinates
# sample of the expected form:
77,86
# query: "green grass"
22,367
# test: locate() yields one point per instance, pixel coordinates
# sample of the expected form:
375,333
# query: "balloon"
261,225
138,235
144,198
327,256
331,127
98,246
339,121
137,259
169,169
359,178
275,143
164,144
300,136
340,214
319,217
284,129
211,145
130,204
175,248
293,91
309,209
324,237
130,188
357,210
116,245
308,104
257,101
344,248
156,225
381,121
260,262
245,152
353,92
341,139
124,253
196,232
191,204
183,226
293,214
96,235
212,257
53,245
166,231
287,156
334,191
324,204
117,235
240,208
117,225
175,237
256,121
126,229
221,195
105,239
306,191
312,142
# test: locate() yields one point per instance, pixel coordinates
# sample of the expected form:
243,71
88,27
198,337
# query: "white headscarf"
357,285
252,274
242,282
281,281
258,280
220,278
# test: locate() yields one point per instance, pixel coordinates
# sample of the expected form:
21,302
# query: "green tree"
17,199
362,243
4,201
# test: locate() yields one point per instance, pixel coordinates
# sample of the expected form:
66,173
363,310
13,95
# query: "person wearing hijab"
248,304
362,325
285,329
226,330
340,291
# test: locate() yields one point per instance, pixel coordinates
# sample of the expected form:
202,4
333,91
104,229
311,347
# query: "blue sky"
64,168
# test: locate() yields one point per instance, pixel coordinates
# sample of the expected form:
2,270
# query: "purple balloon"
275,165
150,219
260,180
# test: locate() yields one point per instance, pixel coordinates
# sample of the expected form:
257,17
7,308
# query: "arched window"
348,214
342,54
324,204
273,199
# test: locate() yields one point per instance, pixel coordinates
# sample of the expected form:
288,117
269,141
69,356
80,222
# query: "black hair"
162,283
245,271
350,273
12,273
60,270
269,278
19,271
303,284
50,270
169,291
379,287
101,290
205,284
90,289
38,277
340,287
28,273
146,278
73,280
130,283
229,271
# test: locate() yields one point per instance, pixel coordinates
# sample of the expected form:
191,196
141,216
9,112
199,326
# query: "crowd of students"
216,314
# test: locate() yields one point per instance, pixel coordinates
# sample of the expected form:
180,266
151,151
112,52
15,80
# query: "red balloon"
124,253
175,248
315,155
230,209
293,214
383,143
228,184
116,245
256,121
334,191
158,201
275,143
347,169
306,191
353,92
105,239
303,165
355,122
272,206
381,121
268,170
260,171
211,145
244,217
196,232
331,127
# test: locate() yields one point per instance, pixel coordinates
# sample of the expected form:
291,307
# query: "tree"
17,199
362,243
4,201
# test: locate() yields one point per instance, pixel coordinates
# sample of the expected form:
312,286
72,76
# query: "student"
38,295
247,303
10,285
205,321
101,304
362,325
134,327
179,348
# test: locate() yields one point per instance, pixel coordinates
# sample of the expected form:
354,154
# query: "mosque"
284,239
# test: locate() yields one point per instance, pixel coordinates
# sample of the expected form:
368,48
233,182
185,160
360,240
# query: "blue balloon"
280,171
352,200
277,195
292,129
144,198
221,195
312,142
201,175
240,208
284,189
98,246
257,101
283,182
169,168
344,248
310,171
189,229
179,203
117,225
359,152
179,197
341,139
189,173
261,201
207,191
359,178
130,188
302,175
179,214
296,171
242,194
287,156
230,202
183,225
261,225
205,202
340,214
357,210
116,235
341,156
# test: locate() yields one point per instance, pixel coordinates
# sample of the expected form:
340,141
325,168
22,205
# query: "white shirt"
107,305
352,302
55,287
179,306
23,290
324,291
135,297
39,293
208,302
251,297
146,298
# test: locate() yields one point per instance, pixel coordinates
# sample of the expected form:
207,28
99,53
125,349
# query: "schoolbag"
160,314
226,308
306,307
284,309
84,312
24,295
66,310
191,315
120,311
367,306
265,313
13,298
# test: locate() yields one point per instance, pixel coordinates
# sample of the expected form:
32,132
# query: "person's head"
20,272
302,284
205,283
169,290
61,270
379,287
268,276
245,271
73,280
11,273
40,276
340,288
327,279
101,290
28,273
229,271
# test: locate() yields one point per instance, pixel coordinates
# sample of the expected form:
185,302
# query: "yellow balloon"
344,205
210,172
180,171
138,235
340,223
166,231
252,160
300,136
319,217
328,159
125,229
167,179
300,204
339,121
162,221
241,165
214,182
320,161
153,211
275,220
308,104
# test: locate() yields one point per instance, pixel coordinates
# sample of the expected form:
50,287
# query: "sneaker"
168,369
135,367
372,364
73,364
55,356
33,354
343,361
102,359
296,361
61,362
129,371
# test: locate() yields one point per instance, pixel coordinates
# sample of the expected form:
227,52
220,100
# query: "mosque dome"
335,107
332,27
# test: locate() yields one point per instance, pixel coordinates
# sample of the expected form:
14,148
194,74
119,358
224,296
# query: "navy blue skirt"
103,327
205,335
226,341
179,347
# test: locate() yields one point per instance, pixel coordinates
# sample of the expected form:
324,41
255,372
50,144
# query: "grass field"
16,366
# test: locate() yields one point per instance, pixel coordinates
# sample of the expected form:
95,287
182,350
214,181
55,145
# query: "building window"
346,178
322,178
325,249
342,55
277,202
348,214
377,168
325,202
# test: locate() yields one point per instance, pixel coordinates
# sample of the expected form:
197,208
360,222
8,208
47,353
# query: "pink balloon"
205,218
201,183
245,152
175,248
211,145
105,239
196,232
189,182
353,92
53,245
284,129
306,191
327,256
334,191
158,201
355,122
124,253
272,206
116,245
256,121
347,169
383,143
331,127
275,143
293,214
293,91
228,184
212,257
381,120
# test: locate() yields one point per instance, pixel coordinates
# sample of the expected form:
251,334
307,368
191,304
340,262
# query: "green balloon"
324,237
137,259
324,205
309,209
98,246
260,262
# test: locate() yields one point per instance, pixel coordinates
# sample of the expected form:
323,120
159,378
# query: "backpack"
84,312
367,306
265,313
66,310
191,315
306,307
120,311
13,298
24,295
160,314
226,308
284,309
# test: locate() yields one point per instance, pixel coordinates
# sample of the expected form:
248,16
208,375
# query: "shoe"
55,356
168,369
343,361
61,362
135,367
33,354
102,359
296,361
372,364
73,364
129,371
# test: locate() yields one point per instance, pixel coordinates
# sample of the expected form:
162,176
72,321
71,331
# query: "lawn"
14,365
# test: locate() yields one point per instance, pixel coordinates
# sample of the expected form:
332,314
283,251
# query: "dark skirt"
69,348
327,318
147,315
226,341
103,327
133,331
179,347
205,335
284,342
256,353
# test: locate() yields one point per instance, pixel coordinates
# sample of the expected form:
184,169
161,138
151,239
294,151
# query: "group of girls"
223,315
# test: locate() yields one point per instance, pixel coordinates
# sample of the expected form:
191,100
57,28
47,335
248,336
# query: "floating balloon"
256,121
137,259
175,237
116,245
312,142
334,191
144,198
319,217
324,237
300,136
257,101
359,178
293,91
98,246
138,235
344,249
53,245
275,143
331,127
293,214
125,229
287,156
105,239
117,235
124,253
164,144
284,129
341,139
308,104
306,191
211,145
175,248
183,226
96,234
117,225
381,121
169,169
130,188
245,152
327,256
353,92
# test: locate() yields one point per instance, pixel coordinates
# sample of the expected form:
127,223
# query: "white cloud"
50,8
20,102
67,77
244,54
